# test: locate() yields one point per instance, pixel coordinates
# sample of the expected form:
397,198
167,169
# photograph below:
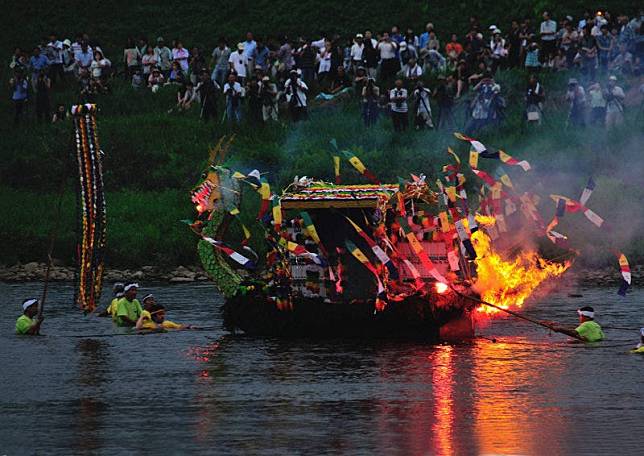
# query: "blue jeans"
219,75
233,113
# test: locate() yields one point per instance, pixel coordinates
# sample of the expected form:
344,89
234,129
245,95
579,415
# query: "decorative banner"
588,190
336,169
498,155
626,274
474,159
464,237
361,257
237,257
354,160
235,213
485,177
503,177
375,248
312,232
452,258
265,193
445,225
576,206
277,213
414,273
91,207
420,252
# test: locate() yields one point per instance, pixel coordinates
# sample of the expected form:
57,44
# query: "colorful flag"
359,166
464,236
277,213
588,190
485,177
237,257
474,159
336,169
626,274
509,160
361,257
414,273
376,249
499,155
265,193
417,248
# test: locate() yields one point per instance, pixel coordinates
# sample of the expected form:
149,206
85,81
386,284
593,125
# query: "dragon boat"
368,261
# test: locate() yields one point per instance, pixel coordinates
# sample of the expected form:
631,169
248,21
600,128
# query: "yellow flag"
444,221
474,159
357,164
451,193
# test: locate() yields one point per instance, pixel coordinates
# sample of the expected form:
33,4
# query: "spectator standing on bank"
39,64
219,62
19,94
547,32
163,56
296,92
534,98
614,95
234,92
238,63
181,55
43,106
576,96
131,58
421,97
148,61
398,106
597,104
370,97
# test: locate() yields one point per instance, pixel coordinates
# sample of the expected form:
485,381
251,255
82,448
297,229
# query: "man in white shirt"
398,106
239,63
548,31
296,90
234,93
55,56
220,57
356,52
180,55
390,65
412,72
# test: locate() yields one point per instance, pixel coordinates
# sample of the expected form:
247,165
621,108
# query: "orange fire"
506,282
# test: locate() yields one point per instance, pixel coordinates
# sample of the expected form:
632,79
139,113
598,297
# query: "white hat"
495,31
240,46
359,35
28,303
67,42
612,77
129,286
403,45
147,296
492,27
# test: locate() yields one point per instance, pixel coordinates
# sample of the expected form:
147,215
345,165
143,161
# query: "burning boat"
373,260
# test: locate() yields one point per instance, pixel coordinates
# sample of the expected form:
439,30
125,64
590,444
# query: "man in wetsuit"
587,331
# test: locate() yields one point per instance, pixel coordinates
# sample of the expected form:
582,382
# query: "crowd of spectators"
387,72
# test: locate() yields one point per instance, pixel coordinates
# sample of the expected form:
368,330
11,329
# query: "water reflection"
511,400
93,366
443,387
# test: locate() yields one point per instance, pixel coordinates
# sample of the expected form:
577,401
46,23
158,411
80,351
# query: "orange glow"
443,386
509,282
199,208
440,287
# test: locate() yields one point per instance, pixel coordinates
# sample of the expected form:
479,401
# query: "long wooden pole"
50,250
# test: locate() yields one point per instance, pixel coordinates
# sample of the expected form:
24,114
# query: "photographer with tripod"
296,90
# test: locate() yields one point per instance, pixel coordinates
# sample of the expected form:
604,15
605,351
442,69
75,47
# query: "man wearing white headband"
640,346
128,308
26,323
588,329
118,291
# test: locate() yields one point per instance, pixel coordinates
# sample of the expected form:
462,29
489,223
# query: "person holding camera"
398,106
234,92
268,97
614,95
421,96
296,90
20,94
370,96
576,96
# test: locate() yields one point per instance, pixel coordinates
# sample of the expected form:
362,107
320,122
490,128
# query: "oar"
50,251
511,312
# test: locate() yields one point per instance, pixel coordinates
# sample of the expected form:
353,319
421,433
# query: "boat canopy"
325,196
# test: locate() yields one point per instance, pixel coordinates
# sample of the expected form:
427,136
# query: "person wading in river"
128,309
587,331
640,347
117,291
26,323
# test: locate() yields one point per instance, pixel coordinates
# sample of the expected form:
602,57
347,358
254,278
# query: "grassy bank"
153,158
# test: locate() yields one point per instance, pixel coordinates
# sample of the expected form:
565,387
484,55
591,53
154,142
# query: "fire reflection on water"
442,386
509,400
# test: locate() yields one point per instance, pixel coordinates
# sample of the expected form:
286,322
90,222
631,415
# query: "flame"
485,219
440,287
509,282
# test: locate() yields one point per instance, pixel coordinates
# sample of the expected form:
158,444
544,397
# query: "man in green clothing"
26,323
128,308
587,331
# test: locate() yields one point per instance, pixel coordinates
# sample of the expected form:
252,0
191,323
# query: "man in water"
117,291
26,324
128,308
587,331
153,317
640,347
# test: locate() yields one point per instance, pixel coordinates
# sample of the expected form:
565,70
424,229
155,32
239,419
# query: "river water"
83,390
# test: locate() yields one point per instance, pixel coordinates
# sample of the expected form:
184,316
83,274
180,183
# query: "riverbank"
35,272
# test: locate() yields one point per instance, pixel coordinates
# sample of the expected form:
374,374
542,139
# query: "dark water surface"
206,392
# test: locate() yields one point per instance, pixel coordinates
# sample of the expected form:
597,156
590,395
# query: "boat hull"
414,318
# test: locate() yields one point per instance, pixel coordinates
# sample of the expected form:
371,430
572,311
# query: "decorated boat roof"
321,195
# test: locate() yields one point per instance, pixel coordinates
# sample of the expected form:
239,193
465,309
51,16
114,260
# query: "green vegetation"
153,158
